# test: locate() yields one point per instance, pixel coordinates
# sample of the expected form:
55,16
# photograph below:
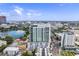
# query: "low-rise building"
11,51
2,43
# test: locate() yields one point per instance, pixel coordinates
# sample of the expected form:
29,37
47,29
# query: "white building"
2,43
68,40
40,32
11,51
40,35
4,26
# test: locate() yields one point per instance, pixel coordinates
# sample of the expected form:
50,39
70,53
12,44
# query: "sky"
40,11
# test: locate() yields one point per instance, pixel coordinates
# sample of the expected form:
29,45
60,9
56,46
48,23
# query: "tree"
34,52
24,38
9,39
1,29
2,47
26,29
0,38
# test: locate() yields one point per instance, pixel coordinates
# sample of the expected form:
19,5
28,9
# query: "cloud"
4,13
18,13
21,9
37,14
29,14
18,10
33,13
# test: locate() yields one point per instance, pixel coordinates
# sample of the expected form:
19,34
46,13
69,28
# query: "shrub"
34,52
67,53
2,47
24,38
27,53
9,39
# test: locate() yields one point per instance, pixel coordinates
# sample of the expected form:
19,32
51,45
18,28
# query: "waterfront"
14,34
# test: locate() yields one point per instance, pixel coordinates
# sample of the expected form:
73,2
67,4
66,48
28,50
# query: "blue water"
14,34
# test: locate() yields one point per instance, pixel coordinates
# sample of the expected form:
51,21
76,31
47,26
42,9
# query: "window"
39,34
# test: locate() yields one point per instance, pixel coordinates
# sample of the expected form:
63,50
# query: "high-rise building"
2,19
68,40
40,34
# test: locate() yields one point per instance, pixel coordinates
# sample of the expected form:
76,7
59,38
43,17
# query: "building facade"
11,51
2,19
40,35
68,40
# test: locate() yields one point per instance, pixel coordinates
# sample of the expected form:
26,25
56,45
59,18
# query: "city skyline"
40,11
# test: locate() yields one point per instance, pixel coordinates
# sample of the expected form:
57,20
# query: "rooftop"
2,16
41,25
11,49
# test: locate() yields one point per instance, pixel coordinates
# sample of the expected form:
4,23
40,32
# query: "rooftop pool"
14,34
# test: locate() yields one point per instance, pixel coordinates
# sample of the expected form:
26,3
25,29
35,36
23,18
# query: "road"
55,48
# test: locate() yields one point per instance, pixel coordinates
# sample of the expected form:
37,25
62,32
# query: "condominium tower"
40,35
68,40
